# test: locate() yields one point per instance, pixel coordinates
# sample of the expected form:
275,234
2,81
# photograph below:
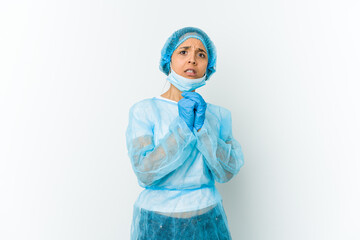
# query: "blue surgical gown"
178,167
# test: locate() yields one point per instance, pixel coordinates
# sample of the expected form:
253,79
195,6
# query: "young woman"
179,145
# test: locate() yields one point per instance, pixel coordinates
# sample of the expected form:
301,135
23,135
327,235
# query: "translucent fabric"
178,168
210,225
177,38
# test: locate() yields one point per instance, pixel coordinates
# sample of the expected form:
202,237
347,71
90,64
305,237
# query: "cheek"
205,66
177,61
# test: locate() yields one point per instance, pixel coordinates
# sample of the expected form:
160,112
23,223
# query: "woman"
179,145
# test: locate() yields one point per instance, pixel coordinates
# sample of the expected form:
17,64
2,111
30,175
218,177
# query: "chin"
191,77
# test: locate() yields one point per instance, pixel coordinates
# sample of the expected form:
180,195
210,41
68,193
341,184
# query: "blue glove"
200,108
186,109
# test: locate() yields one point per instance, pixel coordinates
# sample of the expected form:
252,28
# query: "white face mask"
185,84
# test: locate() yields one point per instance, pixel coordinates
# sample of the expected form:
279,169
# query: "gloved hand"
200,107
186,109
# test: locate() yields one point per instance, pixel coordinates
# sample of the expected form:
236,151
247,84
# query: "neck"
173,93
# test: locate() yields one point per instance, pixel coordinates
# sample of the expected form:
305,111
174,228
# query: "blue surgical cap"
179,37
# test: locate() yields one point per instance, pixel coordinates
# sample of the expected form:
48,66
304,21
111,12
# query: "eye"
182,51
202,55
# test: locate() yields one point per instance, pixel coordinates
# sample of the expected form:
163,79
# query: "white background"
71,69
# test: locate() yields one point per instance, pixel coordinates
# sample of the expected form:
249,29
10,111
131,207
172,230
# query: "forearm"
224,159
151,163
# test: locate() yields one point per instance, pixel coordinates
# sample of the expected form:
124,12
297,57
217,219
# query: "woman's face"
191,54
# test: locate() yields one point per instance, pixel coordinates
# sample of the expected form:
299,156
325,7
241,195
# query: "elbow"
222,176
144,173
229,172
235,163
145,179
225,178
145,176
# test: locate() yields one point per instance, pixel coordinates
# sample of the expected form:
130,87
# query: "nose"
192,59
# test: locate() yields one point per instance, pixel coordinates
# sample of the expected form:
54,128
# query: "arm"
152,162
223,155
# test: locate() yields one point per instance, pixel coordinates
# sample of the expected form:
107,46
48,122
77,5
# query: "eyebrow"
201,50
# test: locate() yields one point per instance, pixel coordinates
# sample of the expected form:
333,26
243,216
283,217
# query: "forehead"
192,42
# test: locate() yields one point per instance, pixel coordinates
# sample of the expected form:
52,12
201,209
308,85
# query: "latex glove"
186,109
200,108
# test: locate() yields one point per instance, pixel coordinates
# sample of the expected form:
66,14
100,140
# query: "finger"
192,95
186,102
189,94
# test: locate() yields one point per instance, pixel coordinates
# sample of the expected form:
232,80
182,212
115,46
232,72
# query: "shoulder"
223,116
142,104
220,111
142,107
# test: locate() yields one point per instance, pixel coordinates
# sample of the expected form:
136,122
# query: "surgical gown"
178,167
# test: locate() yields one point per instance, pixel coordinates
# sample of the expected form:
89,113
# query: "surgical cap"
179,37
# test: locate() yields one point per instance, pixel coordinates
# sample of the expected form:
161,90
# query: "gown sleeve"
223,155
152,162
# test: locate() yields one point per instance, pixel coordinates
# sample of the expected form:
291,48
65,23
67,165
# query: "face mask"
185,84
